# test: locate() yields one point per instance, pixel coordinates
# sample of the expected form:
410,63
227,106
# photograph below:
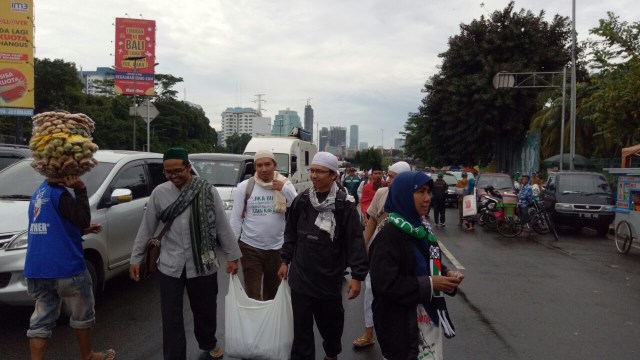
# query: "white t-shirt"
261,227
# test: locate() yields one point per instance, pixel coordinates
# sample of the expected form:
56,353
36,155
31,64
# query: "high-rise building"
353,137
90,79
308,119
337,136
398,143
284,122
237,121
324,139
363,145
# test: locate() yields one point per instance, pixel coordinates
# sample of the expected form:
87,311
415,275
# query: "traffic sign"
147,110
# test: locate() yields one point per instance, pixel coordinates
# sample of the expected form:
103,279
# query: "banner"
16,57
135,56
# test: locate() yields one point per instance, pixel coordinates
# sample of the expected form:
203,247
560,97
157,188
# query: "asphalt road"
522,298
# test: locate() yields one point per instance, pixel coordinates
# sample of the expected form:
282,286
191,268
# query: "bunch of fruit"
61,144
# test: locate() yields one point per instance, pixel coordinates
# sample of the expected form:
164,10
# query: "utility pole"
572,140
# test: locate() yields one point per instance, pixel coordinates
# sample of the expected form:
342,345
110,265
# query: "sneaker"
442,224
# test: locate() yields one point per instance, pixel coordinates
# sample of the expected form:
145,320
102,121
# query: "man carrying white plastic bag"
261,330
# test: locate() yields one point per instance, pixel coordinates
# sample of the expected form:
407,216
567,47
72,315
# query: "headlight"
608,208
491,206
18,242
228,205
483,201
563,206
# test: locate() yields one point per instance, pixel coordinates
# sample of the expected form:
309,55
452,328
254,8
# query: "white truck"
292,154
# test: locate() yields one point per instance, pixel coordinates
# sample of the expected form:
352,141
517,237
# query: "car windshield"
20,181
281,159
450,180
6,161
498,182
218,172
582,184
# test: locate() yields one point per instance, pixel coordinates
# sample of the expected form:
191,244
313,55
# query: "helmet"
440,174
464,174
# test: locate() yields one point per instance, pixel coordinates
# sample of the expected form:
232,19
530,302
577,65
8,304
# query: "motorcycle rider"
525,197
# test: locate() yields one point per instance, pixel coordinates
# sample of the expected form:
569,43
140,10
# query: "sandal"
363,342
215,353
104,355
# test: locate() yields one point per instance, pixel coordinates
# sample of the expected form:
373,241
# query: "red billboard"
135,56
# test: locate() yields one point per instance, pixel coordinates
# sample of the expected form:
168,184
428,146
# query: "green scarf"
202,221
419,232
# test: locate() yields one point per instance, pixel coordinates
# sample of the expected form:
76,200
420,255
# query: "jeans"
74,292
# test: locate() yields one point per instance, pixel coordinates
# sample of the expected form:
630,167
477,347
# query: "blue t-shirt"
54,244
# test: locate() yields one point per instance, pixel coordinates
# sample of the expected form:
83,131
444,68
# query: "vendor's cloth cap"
400,167
327,160
264,154
464,174
440,174
176,153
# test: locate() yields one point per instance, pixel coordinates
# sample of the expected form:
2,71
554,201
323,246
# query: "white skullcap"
263,154
400,167
327,160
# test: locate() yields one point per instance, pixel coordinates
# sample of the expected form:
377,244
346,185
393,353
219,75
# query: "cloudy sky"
361,62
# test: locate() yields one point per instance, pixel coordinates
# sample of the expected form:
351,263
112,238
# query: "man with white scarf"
258,220
322,237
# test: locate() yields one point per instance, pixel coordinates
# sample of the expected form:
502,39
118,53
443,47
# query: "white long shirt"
261,227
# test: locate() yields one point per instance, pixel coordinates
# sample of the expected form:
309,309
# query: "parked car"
452,198
11,153
225,172
118,189
502,183
580,199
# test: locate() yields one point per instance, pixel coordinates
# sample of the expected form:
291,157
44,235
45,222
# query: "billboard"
135,56
16,57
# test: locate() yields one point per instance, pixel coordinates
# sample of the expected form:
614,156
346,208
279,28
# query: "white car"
118,173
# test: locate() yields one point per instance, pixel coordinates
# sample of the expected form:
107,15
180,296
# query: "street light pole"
564,92
573,88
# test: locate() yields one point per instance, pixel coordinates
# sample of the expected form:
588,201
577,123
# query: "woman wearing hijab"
407,276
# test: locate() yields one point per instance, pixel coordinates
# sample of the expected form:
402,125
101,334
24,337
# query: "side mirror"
119,196
294,164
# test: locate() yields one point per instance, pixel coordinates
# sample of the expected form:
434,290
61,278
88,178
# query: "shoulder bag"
149,263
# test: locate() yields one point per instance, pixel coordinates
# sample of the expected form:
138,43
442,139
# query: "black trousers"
203,293
329,317
439,208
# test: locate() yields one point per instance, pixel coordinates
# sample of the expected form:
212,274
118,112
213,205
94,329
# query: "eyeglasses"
174,172
318,171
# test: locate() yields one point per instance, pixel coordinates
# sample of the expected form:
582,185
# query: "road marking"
450,256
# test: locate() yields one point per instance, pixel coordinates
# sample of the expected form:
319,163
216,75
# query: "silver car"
118,188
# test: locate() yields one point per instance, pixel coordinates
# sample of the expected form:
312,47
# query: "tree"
368,158
57,85
165,84
463,119
236,143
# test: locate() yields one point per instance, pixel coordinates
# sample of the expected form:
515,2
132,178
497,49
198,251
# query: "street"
522,298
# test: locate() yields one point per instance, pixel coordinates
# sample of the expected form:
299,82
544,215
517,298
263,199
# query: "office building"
90,81
337,136
353,137
324,139
308,119
237,120
284,122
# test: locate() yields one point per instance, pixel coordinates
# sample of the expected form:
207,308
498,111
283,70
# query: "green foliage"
463,119
236,144
367,158
165,84
57,86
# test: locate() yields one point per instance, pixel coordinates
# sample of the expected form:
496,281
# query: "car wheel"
94,276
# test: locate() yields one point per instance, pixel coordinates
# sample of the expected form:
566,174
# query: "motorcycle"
497,213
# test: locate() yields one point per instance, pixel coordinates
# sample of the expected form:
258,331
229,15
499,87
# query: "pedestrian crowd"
377,227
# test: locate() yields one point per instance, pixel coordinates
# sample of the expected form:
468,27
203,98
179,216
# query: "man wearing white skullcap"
257,220
321,238
376,216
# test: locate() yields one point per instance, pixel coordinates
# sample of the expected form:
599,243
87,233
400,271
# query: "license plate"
589,216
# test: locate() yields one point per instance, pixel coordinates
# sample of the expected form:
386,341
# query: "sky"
361,62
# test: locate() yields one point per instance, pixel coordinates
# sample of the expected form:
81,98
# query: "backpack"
251,183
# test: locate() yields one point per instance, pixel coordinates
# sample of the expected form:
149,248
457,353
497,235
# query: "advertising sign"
135,56
16,57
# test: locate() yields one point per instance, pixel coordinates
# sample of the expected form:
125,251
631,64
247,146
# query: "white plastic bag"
255,329
469,205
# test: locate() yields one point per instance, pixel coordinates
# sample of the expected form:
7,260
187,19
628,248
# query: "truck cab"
292,154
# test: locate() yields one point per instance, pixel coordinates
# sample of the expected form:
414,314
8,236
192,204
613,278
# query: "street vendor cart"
627,221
